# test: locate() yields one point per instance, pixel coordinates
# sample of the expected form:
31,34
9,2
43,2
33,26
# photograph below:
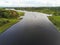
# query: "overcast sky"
29,3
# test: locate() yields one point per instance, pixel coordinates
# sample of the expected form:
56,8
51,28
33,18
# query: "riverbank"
7,25
56,21
9,18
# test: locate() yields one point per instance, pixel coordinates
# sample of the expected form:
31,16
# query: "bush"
4,21
8,14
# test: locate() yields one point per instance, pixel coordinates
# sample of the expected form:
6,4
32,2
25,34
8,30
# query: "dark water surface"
33,29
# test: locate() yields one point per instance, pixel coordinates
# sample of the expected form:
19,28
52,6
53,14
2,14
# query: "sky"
29,3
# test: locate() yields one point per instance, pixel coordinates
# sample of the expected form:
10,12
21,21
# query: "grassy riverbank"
56,21
8,18
7,25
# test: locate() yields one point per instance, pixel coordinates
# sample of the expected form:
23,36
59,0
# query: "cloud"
41,2
9,3
28,3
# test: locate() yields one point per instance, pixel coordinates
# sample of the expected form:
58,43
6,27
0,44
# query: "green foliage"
8,14
8,18
49,10
56,21
3,21
9,23
21,13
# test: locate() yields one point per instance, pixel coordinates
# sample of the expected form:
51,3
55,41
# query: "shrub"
8,14
4,21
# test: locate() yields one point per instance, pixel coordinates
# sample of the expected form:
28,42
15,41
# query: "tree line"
49,10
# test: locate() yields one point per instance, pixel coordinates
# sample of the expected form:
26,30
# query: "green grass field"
21,13
7,25
56,21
